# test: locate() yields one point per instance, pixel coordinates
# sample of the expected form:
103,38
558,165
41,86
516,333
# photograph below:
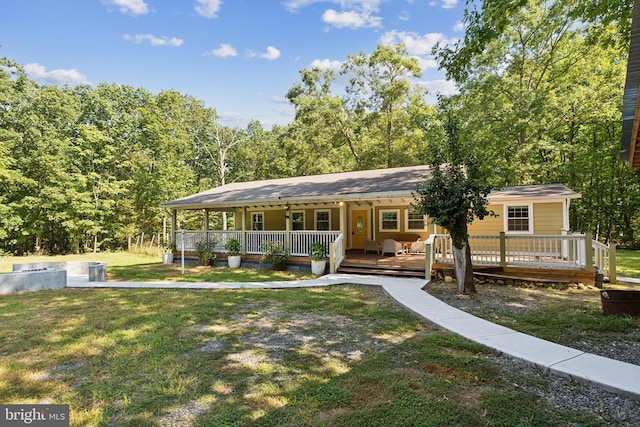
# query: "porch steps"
348,267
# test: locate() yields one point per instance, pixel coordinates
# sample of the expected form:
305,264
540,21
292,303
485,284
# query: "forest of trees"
86,168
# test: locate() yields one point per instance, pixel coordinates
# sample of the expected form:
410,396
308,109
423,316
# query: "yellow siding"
547,218
381,235
490,224
275,220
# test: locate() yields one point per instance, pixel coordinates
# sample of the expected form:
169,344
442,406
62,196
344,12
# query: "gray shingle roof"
346,186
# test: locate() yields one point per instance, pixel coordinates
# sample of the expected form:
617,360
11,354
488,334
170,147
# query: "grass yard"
628,263
113,259
338,356
122,266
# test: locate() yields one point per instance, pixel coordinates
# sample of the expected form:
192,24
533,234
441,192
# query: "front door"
359,230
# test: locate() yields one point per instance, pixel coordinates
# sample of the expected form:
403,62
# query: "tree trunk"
464,269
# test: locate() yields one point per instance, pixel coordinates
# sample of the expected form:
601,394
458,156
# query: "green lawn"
628,263
337,356
123,266
113,259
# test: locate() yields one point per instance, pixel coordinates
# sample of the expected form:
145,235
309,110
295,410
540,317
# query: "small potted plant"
233,248
318,255
167,255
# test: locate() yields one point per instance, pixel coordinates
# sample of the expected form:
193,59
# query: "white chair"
372,246
390,246
417,247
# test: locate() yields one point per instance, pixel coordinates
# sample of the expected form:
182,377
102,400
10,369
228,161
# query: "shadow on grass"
343,355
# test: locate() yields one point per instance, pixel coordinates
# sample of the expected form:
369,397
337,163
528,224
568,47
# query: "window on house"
415,221
519,219
297,221
257,221
323,220
389,220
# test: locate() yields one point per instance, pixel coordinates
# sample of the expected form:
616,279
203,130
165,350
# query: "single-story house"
358,206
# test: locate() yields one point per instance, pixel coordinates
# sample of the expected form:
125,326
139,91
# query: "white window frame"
303,220
253,214
406,219
315,218
381,213
529,207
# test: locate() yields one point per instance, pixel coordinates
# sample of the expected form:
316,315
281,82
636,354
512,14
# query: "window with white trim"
323,220
518,219
257,221
390,220
297,220
415,221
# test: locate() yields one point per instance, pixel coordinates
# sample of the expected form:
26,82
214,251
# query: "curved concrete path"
619,377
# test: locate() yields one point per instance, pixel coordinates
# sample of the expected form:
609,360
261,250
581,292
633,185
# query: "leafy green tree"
487,20
453,197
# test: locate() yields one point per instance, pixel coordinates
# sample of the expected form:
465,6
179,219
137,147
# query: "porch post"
343,227
243,241
206,219
503,249
588,251
287,229
174,221
612,263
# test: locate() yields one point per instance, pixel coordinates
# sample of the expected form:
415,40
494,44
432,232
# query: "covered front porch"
567,255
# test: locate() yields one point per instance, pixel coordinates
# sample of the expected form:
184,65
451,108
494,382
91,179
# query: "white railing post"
588,251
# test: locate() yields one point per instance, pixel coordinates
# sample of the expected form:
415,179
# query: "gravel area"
562,393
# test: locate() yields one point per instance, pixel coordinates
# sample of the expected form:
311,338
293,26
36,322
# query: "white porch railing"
539,251
297,243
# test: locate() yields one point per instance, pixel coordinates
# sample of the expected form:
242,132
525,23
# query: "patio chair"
417,247
390,246
372,246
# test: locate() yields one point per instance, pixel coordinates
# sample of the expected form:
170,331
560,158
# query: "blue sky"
238,56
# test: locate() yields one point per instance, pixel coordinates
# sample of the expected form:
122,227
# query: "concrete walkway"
619,377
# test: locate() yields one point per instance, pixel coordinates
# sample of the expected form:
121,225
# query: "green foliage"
274,254
233,247
318,251
206,252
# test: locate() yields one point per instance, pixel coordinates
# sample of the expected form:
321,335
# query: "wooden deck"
413,265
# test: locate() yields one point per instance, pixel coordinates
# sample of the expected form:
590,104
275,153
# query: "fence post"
503,249
588,251
612,263
428,250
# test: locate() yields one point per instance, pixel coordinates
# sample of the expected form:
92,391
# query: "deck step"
380,270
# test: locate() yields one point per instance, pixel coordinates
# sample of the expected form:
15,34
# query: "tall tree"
453,197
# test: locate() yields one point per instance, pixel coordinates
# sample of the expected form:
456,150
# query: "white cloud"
130,7
444,87
70,77
279,99
404,15
416,44
352,13
459,26
224,51
449,4
271,54
351,19
208,8
327,64
153,40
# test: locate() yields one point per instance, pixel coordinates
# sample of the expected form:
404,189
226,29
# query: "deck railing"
538,251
